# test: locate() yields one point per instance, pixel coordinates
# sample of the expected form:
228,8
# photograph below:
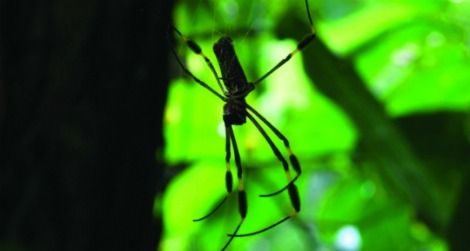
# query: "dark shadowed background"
82,90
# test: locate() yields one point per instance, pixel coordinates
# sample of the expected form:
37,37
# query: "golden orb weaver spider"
235,88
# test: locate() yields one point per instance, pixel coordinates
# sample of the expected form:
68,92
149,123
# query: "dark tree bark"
82,90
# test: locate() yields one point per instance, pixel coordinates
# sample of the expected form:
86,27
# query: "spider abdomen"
232,73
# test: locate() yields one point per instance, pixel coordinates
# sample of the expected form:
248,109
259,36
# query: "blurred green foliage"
413,56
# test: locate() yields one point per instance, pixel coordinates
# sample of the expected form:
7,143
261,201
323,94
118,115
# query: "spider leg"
295,200
292,158
228,175
300,46
195,78
197,49
242,202
274,148
309,17
292,188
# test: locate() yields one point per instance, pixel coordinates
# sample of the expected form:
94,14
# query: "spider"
236,111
